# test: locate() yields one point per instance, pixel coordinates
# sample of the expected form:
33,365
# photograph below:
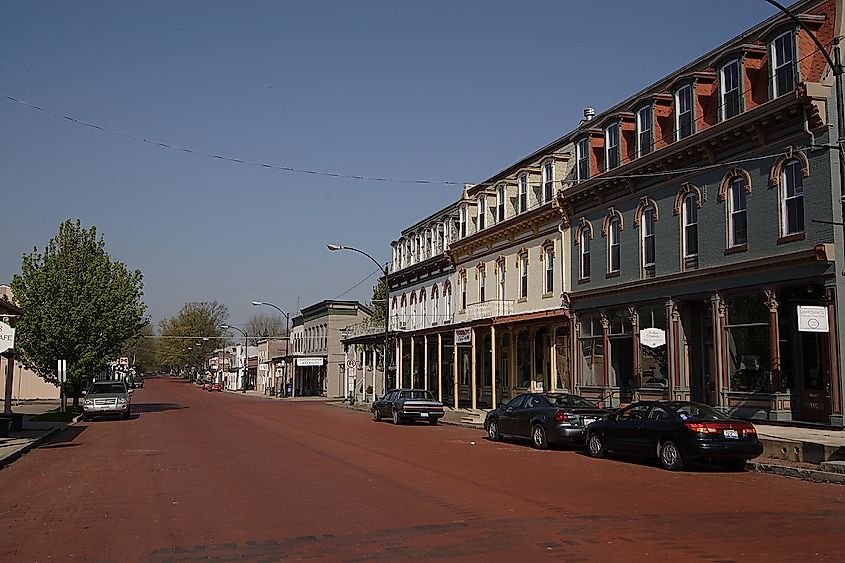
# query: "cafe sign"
7,337
812,318
652,337
463,335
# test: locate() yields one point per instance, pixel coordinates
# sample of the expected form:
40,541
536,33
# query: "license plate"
423,415
731,434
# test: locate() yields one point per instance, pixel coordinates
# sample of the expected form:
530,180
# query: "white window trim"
734,185
685,223
582,155
640,130
548,170
607,148
784,199
774,62
643,235
611,242
482,213
501,210
585,250
522,202
724,92
550,267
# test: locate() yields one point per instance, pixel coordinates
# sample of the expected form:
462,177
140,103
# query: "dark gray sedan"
545,418
402,405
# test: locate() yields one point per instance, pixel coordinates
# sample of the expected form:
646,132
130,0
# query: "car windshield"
99,388
570,401
416,394
694,410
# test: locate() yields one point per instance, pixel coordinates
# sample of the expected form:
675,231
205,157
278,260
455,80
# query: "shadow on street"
155,407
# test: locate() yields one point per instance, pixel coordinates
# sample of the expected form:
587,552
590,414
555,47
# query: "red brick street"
218,476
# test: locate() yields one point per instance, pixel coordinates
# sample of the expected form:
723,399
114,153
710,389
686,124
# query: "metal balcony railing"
489,310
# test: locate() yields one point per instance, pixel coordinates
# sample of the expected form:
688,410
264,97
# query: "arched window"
482,282
690,223
500,272
792,198
413,309
734,189
583,236
447,300
435,300
549,261
646,218
612,230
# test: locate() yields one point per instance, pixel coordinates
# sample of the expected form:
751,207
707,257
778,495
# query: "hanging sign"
463,335
7,337
652,337
812,318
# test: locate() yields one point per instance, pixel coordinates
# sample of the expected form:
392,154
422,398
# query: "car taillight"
561,416
748,429
700,427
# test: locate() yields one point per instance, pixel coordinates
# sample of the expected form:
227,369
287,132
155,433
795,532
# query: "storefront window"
749,362
523,360
591,343
654,367
562,368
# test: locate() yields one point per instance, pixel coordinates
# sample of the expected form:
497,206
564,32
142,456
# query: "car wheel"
126,414
670,456
396,419
595,447
493,431
376,415
538,437
85,417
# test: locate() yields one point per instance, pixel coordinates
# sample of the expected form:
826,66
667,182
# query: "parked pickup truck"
408,405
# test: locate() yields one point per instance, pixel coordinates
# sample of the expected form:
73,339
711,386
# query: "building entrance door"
813,376
698,340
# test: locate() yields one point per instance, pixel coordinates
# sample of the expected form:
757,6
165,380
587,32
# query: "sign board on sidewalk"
652,337
812,318
307,362
463,335
7,337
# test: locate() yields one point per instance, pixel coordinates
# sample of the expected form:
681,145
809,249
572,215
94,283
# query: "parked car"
675,432
215,387
408,405
545,418
107,398
206,386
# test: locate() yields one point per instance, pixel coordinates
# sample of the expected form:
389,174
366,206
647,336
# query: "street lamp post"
384,270
287,337
246,352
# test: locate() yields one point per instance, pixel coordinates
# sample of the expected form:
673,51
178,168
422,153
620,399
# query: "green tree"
78,306
191,335
379,301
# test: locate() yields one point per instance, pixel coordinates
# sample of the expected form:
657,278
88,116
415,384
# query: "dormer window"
645,131
683,113
730,99
783,64
582,150
500,204
611,144
482,213
548,181
523,193
463,221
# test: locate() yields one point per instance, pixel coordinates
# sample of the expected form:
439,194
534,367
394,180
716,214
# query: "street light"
287,342
336,247
246,351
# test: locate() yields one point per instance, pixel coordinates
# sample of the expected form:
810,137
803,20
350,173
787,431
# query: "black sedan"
675,432
545,418
408,405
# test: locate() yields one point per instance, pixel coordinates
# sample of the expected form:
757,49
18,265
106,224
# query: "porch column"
553,358
605,337
473,363
439,367
346,370
400,364
412,375
514,377
374,378
425,362
634,319
493,367
455,363
774,337
574,338
672,357
717,321
532,352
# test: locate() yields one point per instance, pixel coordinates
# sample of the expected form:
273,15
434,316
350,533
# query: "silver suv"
107,398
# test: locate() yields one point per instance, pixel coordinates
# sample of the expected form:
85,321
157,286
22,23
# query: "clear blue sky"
426,90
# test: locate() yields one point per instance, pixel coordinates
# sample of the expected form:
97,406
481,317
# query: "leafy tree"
78,306
191,336
379,302
261,326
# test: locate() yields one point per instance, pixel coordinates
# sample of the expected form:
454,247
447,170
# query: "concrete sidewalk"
33,434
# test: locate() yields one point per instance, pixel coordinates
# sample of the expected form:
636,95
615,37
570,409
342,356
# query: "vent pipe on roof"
589,113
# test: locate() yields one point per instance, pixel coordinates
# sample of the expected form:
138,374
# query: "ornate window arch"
733,174
612,214
583,236
645,203
776,174
733,190
686,190
583,225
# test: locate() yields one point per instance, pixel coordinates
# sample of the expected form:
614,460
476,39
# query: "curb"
813,475
366,409
14,456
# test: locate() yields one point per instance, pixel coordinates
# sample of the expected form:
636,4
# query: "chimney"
589,113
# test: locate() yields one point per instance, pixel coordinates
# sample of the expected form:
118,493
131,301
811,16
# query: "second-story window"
435,305
463,291
783,64
582,153
501,272
611,147
683,113
584,243
649,219
644,131
731,99
523,192
613,256
482,213
523,275
447,301
500,204
482,283
737,218
690,220
792,183
463,221
548,181
549,259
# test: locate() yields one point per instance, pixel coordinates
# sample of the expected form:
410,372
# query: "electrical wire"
357,284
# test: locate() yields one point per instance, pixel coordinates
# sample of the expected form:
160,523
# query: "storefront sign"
307,362
463,335
652,337
812,318
7,337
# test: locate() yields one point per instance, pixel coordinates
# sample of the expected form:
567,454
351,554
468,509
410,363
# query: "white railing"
489,309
